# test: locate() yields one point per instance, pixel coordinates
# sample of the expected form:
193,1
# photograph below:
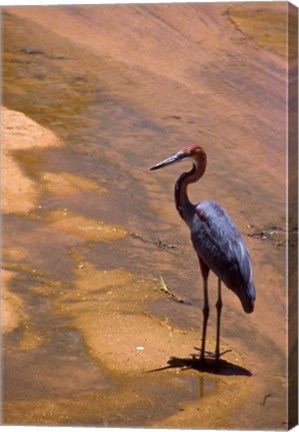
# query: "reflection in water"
206,384
201,386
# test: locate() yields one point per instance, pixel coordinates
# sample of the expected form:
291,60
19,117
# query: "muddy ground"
93,96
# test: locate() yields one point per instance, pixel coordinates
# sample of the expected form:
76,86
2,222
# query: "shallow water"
86,260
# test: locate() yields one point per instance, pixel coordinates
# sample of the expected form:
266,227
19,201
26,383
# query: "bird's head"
194,152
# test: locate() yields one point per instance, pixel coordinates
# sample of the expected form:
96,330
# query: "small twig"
164,288
167,246
162,323
266,397
137,236
269,232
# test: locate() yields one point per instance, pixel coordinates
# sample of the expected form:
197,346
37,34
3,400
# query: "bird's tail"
247,297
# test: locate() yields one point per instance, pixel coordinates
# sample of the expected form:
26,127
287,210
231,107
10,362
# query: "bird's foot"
217,355
208,353
203,356
214,355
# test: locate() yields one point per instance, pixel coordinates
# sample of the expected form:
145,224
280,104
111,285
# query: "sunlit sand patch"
114,289
19,193
68,183
87,228
12,305
19,132
268,28
108,308
15,254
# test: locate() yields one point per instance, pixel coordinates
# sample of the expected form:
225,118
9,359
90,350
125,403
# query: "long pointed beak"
172,159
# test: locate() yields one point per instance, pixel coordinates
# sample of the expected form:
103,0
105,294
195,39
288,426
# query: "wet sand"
93,97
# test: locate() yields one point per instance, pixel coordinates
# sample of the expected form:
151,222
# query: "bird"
216,240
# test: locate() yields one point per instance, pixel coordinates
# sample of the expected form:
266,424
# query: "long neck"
182,202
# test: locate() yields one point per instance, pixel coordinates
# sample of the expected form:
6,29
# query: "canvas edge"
292,215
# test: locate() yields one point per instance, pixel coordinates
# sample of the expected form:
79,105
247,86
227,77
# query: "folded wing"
219,244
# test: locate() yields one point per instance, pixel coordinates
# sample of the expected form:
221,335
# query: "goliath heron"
216,240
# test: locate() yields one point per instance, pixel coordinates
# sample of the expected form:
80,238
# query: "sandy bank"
19,193
18,132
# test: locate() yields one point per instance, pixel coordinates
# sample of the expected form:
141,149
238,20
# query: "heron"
216,239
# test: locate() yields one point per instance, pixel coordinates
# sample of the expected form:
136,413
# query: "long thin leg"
205,312
218,307
205,273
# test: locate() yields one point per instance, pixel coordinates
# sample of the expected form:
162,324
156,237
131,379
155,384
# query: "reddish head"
195,152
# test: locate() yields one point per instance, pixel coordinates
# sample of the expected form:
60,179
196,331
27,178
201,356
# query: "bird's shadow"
210,365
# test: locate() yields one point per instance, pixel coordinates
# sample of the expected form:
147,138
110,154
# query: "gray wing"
219,244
